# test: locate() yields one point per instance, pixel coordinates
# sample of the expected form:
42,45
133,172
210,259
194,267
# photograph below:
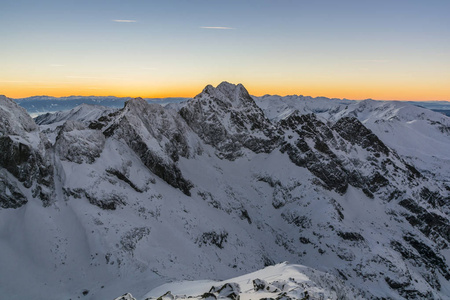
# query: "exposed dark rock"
319,148
281,196
434,198
228,290
245,216
262,285
267,261
126,296
329,171
308,126
217,239
296,219
395,194
259,284
412,206
413,173
208,296
28,166
404,289
395,284
246,125
141,121
429,256
19,159
284,296
345,254
377,181
103,121
352,130
132,237
304,240
281,192
405,252
106,201
338,208
167,171
351,236
429,223
342,275
166,296
305,296
124,178
10,195
323,163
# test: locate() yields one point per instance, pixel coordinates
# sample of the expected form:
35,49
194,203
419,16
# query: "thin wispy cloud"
20,81
217,27
83,77
374,60
98,78
125,21
148,68
57,65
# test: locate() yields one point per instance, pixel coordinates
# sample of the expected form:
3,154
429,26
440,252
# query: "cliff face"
24,159
219,188
228,119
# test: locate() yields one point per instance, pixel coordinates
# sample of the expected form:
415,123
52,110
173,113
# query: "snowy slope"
282,280
148,195
14,119
39,105
419,135
84,113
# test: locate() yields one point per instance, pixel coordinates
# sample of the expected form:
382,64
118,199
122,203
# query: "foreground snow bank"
282,281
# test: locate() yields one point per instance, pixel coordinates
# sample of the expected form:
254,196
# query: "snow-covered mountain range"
38,105
97,202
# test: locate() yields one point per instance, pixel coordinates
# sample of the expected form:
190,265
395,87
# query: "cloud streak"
373,60
217,27
97,78
20,81
125,21
83,77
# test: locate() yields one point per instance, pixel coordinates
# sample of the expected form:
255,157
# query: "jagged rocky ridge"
214,190
227,118
282,281
83,113
24,158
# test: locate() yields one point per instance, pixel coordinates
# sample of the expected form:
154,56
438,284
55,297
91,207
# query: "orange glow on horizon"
403,93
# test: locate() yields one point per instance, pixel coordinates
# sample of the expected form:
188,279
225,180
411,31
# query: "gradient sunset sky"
386,49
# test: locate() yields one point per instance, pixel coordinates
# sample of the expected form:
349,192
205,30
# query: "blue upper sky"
355,49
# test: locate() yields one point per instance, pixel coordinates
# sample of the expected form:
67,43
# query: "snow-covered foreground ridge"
96,203
284,281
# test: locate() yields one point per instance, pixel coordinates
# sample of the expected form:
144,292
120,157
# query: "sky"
386,50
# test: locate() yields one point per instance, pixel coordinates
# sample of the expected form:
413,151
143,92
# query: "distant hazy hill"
438,106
